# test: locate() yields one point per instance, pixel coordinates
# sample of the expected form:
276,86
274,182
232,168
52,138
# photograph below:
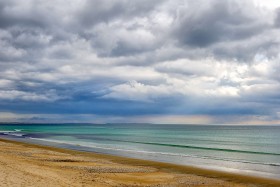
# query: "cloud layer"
125,59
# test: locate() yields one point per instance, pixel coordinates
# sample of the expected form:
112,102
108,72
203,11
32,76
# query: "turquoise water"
252,150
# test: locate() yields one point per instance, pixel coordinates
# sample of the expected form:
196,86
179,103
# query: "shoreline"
124,168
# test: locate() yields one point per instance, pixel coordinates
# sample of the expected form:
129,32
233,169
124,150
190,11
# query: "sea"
242,149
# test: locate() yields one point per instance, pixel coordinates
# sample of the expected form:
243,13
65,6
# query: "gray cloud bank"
140,57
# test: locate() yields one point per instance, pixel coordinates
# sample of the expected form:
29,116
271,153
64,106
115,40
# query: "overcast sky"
157,61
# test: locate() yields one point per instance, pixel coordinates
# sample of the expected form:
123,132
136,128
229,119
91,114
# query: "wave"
5,131
203,148
198,147
15,132
99,146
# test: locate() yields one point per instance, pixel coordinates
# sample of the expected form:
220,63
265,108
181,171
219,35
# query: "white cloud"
28,96
272,4
138,92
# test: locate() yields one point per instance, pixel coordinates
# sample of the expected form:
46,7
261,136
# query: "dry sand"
24,164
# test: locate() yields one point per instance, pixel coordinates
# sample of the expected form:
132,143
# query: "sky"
144,61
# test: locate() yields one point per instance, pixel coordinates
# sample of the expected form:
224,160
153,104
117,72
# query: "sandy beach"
24,164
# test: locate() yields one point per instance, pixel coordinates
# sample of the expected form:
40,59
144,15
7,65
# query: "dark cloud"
203,24
96,11
277,18
14,13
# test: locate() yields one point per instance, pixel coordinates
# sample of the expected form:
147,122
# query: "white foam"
12,133
16,134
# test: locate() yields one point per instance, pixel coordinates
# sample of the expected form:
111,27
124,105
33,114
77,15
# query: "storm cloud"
111,61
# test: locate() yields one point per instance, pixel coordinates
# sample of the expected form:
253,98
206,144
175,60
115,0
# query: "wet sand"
23,164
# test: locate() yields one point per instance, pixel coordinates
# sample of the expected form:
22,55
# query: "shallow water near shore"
251,150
